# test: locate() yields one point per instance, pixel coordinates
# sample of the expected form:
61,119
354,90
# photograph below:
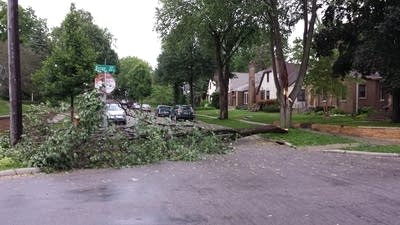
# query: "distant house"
360,93
264,87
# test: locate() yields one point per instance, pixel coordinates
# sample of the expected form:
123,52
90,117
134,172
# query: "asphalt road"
260,183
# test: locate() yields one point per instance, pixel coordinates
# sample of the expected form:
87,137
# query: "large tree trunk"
72,108
285,119
396,105
287,99
177,93
285,106
223,81
192,102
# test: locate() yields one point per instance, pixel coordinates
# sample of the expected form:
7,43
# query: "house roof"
373,76
292,69
240,81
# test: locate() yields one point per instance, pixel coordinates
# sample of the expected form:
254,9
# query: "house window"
362,91
343,94
324,95
267,77
267,96
301,97
381,93
246,98
262,95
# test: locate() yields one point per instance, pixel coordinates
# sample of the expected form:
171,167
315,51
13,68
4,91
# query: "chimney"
252,84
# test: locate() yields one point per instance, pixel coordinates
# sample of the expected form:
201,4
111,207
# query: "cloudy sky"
130,21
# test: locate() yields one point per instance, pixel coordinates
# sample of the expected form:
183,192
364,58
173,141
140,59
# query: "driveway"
260,183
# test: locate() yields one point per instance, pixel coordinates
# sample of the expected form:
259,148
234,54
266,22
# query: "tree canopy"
223,24
135,78
70,68
185,60
367,36
35,47
34,33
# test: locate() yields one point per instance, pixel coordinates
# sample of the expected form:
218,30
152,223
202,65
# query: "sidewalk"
20,171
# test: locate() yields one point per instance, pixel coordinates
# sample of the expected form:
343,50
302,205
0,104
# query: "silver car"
115,113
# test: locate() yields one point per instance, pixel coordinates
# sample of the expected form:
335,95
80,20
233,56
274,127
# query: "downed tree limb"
243,132
260,130
184,131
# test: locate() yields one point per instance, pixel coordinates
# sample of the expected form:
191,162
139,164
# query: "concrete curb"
362,153
20,171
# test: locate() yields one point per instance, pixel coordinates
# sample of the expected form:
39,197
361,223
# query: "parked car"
185,112
146,107
162,111
135,106
115,113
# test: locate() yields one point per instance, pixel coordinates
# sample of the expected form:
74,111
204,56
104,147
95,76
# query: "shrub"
241,107
270,105
8,163
63,145
215,100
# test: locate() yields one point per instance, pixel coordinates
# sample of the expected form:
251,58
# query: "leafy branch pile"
61,145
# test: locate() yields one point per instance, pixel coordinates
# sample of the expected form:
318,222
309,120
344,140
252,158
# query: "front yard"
269,118
302,137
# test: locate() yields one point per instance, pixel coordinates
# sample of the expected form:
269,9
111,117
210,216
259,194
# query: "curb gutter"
21,171
362,153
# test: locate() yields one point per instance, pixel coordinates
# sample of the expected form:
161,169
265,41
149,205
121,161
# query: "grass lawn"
300,137
269,118
8,163
377,148
4,108
296,137
231,123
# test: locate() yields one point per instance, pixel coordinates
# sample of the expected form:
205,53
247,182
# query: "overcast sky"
130,21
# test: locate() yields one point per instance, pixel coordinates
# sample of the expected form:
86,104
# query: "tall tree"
135,78
30,62
33,30
367,36
320,78
255,50
278,17
226,23
70,68
101,39
34,45
185,61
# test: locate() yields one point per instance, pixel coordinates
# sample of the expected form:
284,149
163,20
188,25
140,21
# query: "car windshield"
113,107
186,107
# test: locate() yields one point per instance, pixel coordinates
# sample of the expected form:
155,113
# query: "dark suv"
163,111
185,112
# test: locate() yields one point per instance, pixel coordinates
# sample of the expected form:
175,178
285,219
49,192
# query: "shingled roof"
240,81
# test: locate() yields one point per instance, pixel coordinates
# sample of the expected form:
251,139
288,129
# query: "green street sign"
105,68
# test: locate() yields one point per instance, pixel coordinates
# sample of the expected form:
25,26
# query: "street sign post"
105,68
105,82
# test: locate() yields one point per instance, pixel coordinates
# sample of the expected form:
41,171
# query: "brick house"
367,92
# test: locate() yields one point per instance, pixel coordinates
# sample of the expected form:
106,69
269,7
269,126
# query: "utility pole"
14,72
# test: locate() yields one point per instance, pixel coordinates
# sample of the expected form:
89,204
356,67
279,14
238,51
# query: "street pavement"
258,183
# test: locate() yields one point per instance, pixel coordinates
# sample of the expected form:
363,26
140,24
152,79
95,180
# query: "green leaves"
135,78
